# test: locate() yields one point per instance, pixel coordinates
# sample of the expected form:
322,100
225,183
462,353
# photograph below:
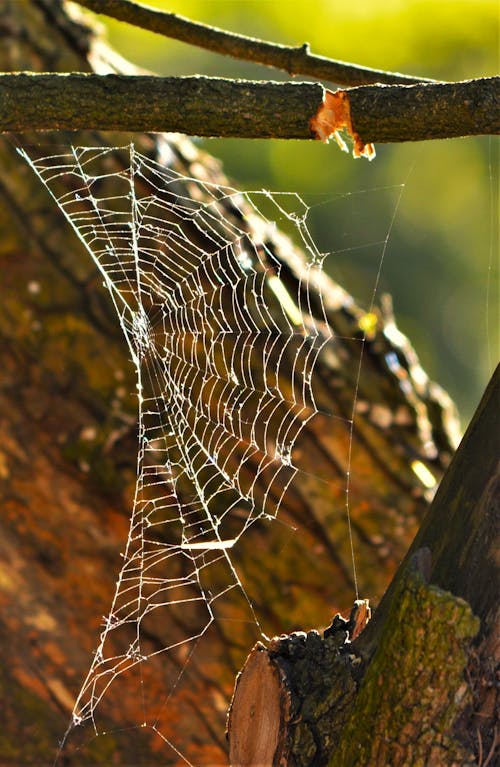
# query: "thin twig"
295,61
480,747
494,744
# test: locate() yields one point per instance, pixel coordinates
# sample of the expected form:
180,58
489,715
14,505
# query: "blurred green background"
441,260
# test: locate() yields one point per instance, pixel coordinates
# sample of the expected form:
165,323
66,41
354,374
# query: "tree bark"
198,106
431,110
211,106
67,461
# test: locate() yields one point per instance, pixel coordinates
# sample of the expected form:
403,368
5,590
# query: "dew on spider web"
225,346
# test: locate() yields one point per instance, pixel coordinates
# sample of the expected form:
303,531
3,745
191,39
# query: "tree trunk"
68,457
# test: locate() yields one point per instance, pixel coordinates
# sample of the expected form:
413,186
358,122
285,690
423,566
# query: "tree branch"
388,114
295,61
197,106
203,106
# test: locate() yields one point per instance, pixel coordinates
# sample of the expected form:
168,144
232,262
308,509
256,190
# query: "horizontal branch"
197,106
294,60
203,106
387,114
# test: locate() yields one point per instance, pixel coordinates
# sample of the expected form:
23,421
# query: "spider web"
224,355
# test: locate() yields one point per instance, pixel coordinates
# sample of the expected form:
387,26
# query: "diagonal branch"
295,61
205,106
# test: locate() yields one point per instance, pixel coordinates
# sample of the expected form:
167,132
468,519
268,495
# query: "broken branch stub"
293,697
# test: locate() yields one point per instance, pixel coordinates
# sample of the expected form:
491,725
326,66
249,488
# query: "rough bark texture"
462,528
434,110
198,106
210,106
67,463
415,685
461,534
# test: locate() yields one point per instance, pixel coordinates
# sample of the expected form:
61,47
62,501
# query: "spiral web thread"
217,419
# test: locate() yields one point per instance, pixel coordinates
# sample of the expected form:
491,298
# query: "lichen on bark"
414,687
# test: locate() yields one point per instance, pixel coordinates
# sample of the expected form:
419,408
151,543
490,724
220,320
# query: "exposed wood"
295,61
258,714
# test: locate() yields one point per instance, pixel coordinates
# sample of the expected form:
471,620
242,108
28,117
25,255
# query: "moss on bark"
415,686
